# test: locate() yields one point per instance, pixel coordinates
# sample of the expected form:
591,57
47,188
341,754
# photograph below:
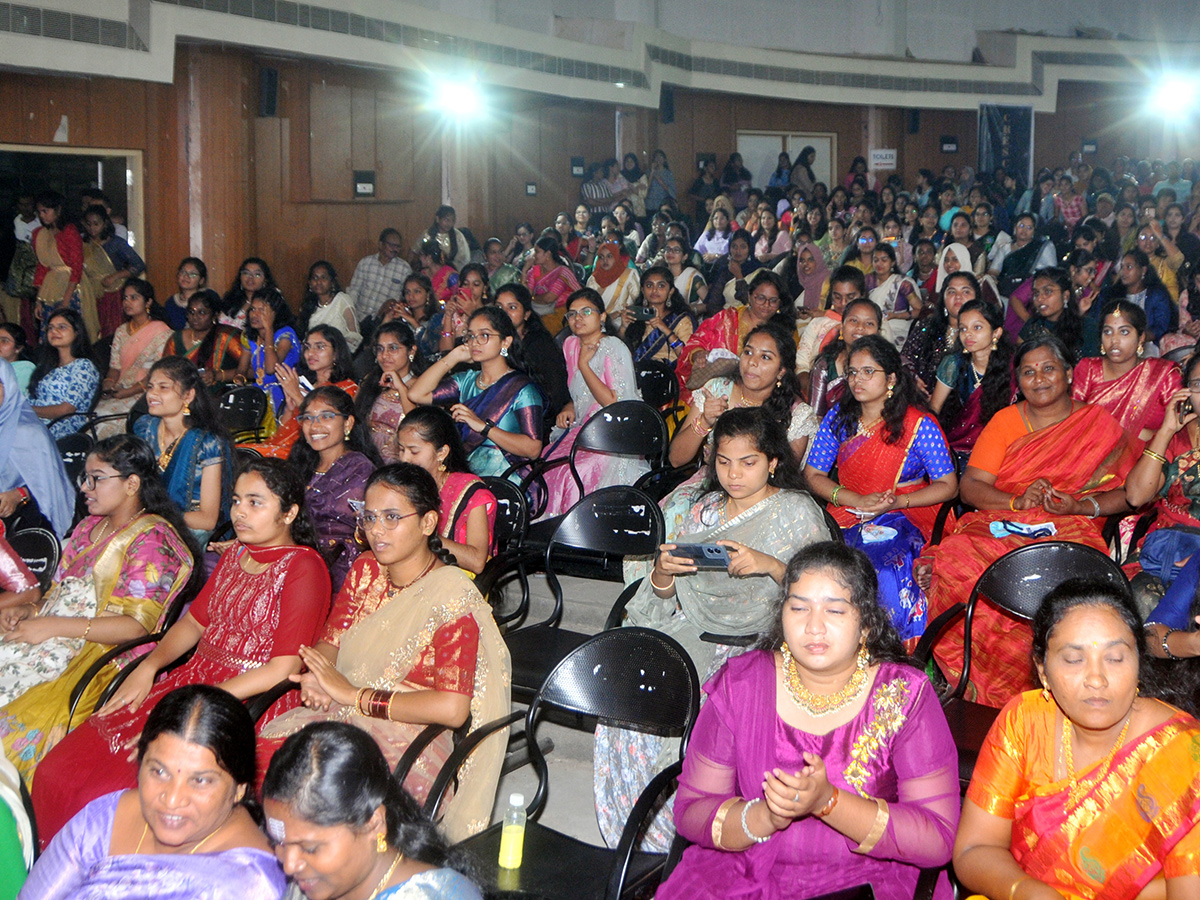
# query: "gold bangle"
830,804
87,628
1012,891
358,700
1150,453
1012,501
388,708
833,496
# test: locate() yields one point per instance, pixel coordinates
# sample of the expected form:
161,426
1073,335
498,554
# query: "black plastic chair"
40,551
659,386
619,521
628,427
1017,583
242,410
73,450
658,483
635,677
1180,355
512,521
139,409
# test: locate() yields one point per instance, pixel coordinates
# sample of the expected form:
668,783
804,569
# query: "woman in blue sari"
269,339
663,335
498,407
32,477
193,450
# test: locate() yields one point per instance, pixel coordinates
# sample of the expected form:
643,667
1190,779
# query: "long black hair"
369,388
435,426
852,569
838,344
676,305
419,488
332,773
47,361
783,396
996,383
1070,324
498,319
432,233
289,488
520,293
768,436
213,719
423,282
212,302
202,411
343,361
904,391
236,296
283,314
309,304
304,458
130,455
480,270
552,245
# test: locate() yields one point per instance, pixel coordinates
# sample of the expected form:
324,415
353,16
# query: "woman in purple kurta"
335,457
895,751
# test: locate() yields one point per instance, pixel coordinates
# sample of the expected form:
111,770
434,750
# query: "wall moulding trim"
387,36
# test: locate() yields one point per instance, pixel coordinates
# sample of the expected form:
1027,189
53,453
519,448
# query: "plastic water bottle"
512,834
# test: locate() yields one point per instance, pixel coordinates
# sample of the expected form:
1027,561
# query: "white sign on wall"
882,160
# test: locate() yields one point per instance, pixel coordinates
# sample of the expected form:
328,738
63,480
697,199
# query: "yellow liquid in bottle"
512,843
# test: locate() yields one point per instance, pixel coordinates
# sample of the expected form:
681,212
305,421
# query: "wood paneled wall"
223,183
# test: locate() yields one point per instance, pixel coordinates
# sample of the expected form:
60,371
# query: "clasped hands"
1041,493
789,796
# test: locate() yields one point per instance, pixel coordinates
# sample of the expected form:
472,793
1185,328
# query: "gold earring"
441,465
1141,350
889,393
863,656
187,410
779,384
1046,694
380,843
347,433
995,341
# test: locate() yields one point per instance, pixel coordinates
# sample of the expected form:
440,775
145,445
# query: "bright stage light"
1175,95
457,97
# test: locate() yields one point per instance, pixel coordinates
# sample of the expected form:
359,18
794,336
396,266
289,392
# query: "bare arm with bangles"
1148,477
879,502
323,685
979,490
689,437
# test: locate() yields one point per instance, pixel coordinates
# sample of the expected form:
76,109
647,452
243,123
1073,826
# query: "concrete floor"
569,806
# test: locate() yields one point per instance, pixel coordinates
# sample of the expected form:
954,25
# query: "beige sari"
96,267
390,631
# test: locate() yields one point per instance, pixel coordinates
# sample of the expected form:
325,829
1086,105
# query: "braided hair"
419,488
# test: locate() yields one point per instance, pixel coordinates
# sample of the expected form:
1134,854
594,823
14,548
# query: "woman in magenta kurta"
268,596
790,791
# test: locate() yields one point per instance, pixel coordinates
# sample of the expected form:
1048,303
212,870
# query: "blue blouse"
270,383
929,455
74,383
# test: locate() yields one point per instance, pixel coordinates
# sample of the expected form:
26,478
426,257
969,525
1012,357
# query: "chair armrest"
450,768
105,658
415,749
939,524
927,883
641,812
730,640
260,703
924,649
616,615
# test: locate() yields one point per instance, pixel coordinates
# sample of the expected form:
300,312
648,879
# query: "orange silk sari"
1137,818
1085,453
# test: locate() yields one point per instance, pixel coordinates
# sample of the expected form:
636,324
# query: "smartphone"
1184,407
642,313
703,556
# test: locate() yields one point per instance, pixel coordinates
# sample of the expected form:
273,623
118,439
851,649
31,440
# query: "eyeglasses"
866,373
768,299
251,273
319,345
478,337
58,326
87,481
189,273
323,417
389,518
1194,385
672,249
587,312
388,348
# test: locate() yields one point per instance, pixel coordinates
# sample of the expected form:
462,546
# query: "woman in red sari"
894,470
268,596
1128,825
1134,389
1047,458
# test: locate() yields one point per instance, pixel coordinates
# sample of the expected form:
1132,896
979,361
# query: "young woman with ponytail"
371,667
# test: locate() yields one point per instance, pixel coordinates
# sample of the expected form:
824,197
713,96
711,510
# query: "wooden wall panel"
395,148
331,116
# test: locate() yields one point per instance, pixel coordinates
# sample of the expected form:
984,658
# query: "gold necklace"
865,429
432,563
1075,791
165,457
386,875
107,523
820,705
146,830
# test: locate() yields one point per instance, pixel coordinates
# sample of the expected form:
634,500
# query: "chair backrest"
1019,580
658,383
242,409
636,678
1180,354
512,514
620,520
658,483
73,449
629,427
40,551
140,408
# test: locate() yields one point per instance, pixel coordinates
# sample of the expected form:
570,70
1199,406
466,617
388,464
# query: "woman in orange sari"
1133,388
1047,459
894,470
1128,824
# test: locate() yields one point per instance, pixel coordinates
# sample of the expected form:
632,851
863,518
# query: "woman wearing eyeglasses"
688,280
599,373
410,642
335,458
267,598
498,407
894,470
121,566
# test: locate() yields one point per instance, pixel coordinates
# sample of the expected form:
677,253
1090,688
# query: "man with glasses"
378,278
846,285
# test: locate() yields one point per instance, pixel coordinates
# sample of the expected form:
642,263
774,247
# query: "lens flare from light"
1175,95
458,97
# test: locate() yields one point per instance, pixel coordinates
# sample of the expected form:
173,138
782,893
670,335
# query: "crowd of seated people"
932,375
